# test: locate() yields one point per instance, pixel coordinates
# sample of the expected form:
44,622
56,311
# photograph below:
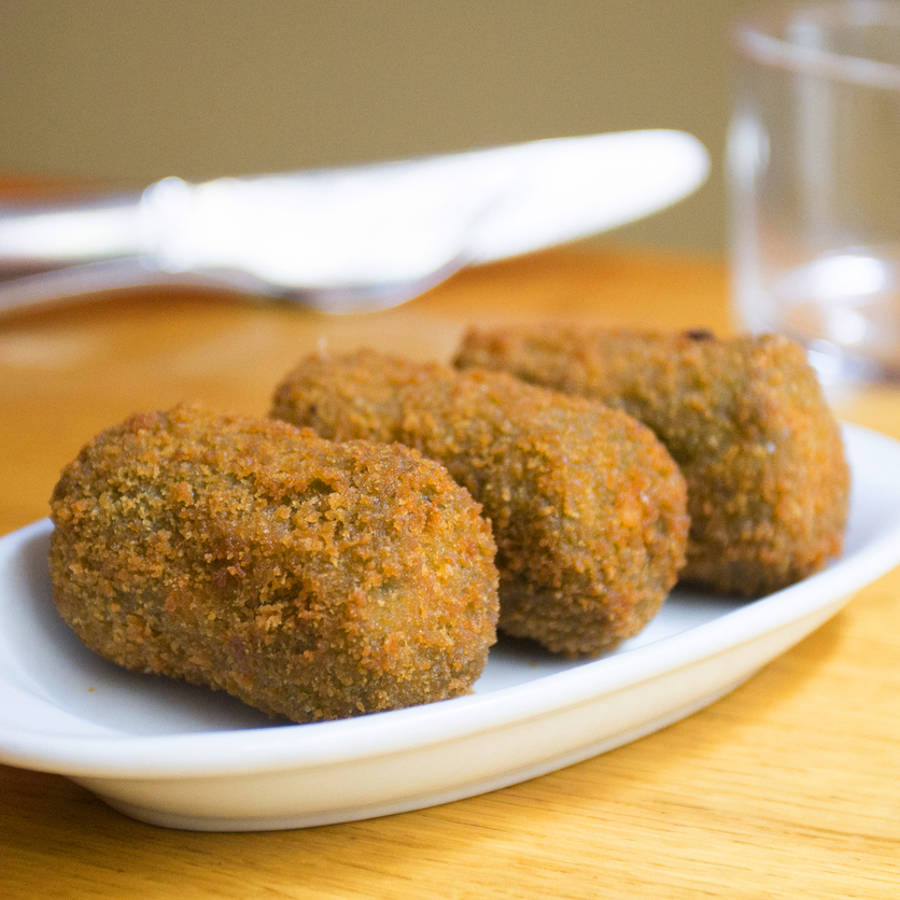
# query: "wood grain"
787,787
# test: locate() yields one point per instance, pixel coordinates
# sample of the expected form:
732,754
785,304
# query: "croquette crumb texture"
310,579
744,418
587,506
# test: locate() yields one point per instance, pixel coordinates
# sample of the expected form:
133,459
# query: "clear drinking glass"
814,174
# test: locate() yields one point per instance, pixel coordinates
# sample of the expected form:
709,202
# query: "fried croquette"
312,580
587,507
745,419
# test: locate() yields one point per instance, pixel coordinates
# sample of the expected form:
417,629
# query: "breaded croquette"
745,419
312,580
587,507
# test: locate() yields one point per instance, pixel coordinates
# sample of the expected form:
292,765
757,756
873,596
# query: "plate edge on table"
799,616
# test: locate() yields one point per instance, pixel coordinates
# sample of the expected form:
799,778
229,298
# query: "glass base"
844,307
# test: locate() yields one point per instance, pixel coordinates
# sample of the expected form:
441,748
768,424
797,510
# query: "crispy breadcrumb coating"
587,507
745,419
310,579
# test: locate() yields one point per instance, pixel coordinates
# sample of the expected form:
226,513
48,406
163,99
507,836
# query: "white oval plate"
171,754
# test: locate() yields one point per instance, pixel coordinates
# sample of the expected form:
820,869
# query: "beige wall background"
135,91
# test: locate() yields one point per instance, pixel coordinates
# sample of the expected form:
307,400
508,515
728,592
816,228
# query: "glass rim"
760,38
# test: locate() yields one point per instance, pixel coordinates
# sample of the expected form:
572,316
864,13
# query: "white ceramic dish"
183,757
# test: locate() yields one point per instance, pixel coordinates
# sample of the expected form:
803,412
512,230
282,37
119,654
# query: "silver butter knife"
347,239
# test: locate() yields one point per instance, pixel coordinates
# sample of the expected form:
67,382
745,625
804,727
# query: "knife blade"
331,230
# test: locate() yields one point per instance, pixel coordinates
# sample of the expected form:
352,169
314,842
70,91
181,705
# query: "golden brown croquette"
310,579
744,418
587,507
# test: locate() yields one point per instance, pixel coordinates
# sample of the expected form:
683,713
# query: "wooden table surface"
787,787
